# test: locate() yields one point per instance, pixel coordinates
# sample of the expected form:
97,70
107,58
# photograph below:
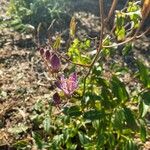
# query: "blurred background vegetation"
28,14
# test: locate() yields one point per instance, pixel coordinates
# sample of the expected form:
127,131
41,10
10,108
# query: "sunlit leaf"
21,144
72,27
57,43
18,129
46,123
84,139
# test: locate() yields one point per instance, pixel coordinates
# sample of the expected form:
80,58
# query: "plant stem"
101,6
128,39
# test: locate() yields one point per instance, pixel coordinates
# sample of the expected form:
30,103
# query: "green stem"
101,3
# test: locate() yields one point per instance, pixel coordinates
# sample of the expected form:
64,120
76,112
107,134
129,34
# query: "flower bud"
56,99
55,63
47,54
41,51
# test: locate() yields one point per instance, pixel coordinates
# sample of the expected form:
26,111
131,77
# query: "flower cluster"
67,85
52,60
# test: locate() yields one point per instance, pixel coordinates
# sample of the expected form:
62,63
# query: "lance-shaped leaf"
72,27
57,43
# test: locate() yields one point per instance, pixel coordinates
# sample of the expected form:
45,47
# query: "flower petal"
73,77
72,82
68,86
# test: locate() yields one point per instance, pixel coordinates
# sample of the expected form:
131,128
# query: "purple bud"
56,99
41,51
47,54
55,63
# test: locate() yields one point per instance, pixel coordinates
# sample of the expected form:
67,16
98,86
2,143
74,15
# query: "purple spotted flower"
56,99
55,63
68,86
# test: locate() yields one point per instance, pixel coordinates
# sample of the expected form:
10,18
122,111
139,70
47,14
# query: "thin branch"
101,3
128,40
111,11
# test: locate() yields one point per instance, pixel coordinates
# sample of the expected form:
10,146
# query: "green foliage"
131,17
100,114
120,29
144,74
77,51
118,89
28,14
144,105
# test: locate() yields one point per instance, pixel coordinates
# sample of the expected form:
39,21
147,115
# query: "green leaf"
87,43
73,111
127,49
84,139
120,19
146,97
93,115
120,29
103,82
130,119
46,123
119,90
143,133
72,27
21,144
18,129
74,52
119,119
57,141
106,98
144,103
57,43
143,109
130,145
120,33
38,140
144,74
